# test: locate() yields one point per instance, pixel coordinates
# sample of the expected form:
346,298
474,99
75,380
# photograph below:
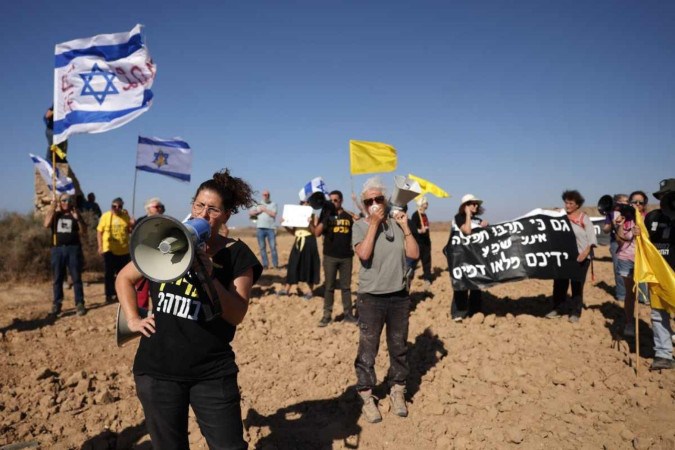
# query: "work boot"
325,320
662,364
397,398
56,311
369,409
350,319
81,310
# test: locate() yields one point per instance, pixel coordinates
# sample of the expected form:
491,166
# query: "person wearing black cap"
659,224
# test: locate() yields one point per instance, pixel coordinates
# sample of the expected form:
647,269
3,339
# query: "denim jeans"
215,404
375,311
663,344
270,235
334,268
67,256
112,264
620,288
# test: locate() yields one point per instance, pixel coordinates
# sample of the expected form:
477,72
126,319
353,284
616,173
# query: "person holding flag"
660,225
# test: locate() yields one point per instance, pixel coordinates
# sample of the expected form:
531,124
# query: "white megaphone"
122,332
405,189
163,249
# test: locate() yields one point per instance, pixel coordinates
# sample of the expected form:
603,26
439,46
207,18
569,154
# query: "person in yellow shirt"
112,235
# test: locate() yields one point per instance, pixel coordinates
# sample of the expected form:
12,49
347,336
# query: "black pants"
374,312
470,301
215,403
425,258
560,289
334,268
112,264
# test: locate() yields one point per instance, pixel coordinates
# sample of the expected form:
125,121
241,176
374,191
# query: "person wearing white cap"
467,303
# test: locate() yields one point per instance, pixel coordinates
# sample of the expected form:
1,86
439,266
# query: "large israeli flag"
170,157
101,83
315,185
64,185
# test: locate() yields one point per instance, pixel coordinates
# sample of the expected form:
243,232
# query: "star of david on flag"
170,157
101,83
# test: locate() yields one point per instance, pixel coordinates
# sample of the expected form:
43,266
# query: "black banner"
539,245
603,238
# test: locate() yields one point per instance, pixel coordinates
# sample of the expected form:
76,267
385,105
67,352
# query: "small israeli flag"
64,185
170,157
101,83
316,185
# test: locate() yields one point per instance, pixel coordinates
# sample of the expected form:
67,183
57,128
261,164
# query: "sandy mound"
506,379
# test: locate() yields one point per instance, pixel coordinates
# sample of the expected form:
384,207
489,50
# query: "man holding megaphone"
185,358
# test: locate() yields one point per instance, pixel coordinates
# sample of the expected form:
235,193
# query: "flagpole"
133,195
54,189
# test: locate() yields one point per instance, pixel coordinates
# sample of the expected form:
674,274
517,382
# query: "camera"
627,211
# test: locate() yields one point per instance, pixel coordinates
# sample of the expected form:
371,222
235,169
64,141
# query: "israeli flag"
101,83
64,185
170,157
316,185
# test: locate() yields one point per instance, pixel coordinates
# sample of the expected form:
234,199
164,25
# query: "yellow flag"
650,267
428,186
371,157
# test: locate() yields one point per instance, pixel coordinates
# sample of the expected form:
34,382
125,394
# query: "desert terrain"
505,379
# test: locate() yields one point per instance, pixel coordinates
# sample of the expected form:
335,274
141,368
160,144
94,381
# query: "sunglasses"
116,206
335,200
65,200
637,202
158,206
369,201
473,203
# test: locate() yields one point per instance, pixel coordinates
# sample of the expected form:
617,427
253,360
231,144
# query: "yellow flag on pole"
371,157
652,268
428,186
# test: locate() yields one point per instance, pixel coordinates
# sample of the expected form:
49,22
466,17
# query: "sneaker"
574,318
397,399
369,409
350,319
662,364
629,329
282,292
308,296
554,314
324,321
56,311
81,310
458,316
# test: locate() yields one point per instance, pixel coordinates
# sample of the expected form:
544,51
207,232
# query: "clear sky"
513,101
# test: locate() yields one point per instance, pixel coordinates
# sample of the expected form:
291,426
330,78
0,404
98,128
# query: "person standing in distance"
68,228
112,235
336,227
265,213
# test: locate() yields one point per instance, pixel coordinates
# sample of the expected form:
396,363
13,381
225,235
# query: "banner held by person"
101,83
428,186
170,157
371,157
64,185
540,244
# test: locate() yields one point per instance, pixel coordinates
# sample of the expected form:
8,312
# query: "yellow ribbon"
300,236
56,149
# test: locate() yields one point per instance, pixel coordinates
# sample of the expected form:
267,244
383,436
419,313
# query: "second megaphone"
163,249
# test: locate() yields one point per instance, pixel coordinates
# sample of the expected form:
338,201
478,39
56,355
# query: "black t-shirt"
662,234
66,228
337,235
417,220
185,347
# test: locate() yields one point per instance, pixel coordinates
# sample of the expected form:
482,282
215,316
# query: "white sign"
296,216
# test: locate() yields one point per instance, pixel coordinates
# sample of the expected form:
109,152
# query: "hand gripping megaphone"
405,189
163,250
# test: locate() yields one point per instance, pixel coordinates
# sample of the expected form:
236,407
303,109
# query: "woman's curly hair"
234,191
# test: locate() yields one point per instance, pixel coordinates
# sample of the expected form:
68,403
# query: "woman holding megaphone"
184,359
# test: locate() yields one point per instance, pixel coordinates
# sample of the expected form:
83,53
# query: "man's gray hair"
374,183
149,202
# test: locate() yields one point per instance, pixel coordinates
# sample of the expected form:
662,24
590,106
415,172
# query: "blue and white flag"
101,83
170,157
316,185
64,185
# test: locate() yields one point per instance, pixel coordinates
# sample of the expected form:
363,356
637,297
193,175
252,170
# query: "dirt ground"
506,379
